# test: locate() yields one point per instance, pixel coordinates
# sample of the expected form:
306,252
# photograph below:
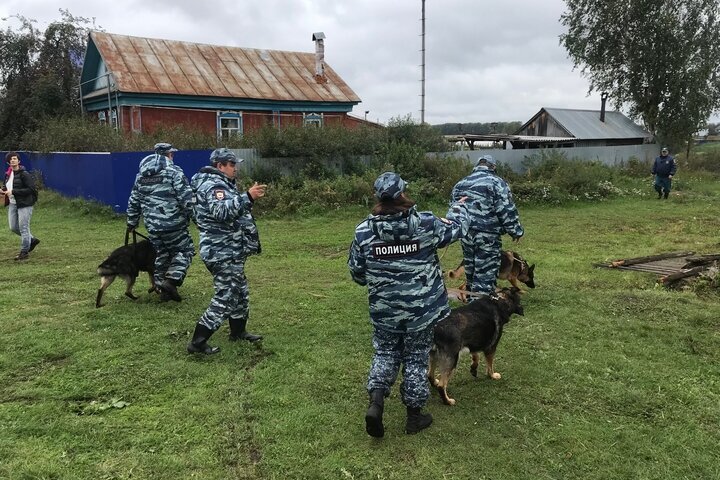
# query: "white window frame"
313,120
224,132
102,117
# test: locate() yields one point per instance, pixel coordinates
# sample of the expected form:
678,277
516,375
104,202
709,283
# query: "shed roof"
156,66
586,124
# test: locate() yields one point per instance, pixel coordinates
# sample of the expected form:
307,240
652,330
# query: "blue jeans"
19,221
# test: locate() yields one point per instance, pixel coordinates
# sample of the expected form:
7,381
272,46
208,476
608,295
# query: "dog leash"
457,291
135,235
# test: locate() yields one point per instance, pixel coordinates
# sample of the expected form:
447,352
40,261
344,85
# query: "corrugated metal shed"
155,66
586,124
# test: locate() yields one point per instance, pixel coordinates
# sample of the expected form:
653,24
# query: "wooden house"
140,84
565,127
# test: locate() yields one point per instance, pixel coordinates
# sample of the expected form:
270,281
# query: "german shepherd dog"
513,268
476,327
127,262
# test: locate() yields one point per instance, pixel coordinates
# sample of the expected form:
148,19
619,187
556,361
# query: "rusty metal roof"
149,65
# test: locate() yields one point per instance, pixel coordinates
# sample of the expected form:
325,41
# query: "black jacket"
23,188
664,166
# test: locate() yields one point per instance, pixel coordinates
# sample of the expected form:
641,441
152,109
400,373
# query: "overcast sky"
486,60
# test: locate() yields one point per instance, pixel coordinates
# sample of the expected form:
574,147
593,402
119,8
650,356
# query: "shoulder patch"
395,250
219,194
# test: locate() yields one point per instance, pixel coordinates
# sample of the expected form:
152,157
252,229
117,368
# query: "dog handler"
394,253
162,195
492,213
222,213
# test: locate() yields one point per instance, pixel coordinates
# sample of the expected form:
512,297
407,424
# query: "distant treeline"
478,128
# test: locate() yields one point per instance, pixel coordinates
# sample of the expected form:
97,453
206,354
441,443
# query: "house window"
136,119
313,120
113,118
229,124
102,118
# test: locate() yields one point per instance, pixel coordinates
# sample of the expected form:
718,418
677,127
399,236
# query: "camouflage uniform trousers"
231,299
481,259
412,349
174,253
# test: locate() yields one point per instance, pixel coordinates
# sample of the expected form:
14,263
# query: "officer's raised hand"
257,190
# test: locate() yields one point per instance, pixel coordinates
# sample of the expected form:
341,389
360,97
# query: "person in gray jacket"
492,213
394,253
162,195
227,236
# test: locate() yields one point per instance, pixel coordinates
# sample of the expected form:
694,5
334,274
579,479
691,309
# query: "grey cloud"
486,60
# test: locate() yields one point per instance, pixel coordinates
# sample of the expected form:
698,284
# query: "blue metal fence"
102,177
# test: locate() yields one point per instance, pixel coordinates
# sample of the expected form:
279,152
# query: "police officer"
394,253
663,170
222,214
492,213
162,195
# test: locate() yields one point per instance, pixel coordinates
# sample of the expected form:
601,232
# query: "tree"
422,135
478,128
39,73
659,58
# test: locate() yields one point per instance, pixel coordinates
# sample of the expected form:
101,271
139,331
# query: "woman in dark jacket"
19,190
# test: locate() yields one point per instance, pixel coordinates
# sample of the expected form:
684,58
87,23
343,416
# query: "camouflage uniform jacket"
396,257
162,195
489,202
222,213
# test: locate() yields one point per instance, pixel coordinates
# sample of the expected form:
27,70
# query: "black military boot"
198,344
665,196
416,420
169,287
373,418
238,332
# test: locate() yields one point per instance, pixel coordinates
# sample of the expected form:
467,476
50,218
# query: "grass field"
607,376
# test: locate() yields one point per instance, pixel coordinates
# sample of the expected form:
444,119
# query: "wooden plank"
649,268
684,274
651,258
701,260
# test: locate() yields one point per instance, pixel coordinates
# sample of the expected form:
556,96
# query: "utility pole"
422,67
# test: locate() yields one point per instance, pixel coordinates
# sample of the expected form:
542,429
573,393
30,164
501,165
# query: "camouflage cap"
389,185
488,159
163,148
224,155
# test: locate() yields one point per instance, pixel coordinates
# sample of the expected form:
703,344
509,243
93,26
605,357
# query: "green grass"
606,375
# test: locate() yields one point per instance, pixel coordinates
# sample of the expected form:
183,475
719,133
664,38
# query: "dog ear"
532,267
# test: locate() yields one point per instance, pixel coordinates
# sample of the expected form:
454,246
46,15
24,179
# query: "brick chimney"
603,99
319,39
